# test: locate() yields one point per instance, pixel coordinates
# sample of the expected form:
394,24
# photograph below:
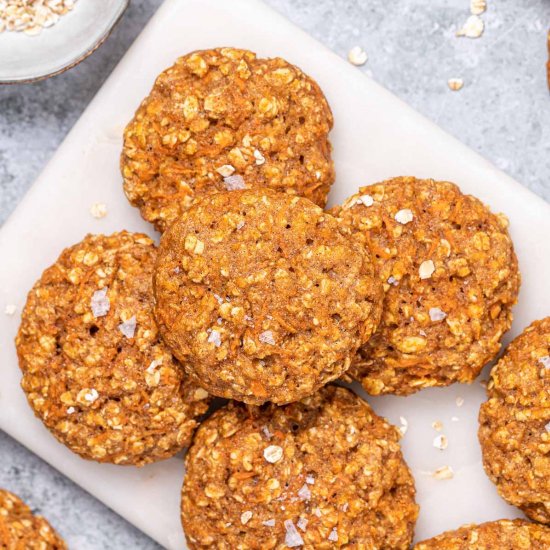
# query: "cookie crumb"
477,7
10,309
357,56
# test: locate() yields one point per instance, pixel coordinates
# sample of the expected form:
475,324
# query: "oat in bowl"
325,472
450,278
261,297
224,119
95,370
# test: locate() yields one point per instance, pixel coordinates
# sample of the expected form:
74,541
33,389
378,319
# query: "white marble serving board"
375,136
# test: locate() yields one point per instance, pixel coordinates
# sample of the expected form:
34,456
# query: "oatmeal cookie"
20,529
222,119
504,534
95,370
322,473
450,277
261,297
514,429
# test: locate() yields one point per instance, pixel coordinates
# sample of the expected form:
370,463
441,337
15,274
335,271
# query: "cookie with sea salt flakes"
95,369
325,472
514,424
450,278
261,297
224,119
20,529
503,534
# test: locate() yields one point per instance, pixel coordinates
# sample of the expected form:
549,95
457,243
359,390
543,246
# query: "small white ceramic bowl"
73,38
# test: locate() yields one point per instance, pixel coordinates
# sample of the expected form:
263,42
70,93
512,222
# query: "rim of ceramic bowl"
76,60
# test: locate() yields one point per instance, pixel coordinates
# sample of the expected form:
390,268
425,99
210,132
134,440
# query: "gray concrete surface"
503,112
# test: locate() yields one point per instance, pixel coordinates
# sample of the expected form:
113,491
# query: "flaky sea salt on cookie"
224,119
322,473
95,370
450,277
261,296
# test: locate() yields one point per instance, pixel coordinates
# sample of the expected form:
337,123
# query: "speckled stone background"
503,112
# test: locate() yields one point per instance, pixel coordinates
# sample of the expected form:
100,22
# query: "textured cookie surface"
450,277
20,529
95,370
261,297
220,119
322,473
495,535
514,429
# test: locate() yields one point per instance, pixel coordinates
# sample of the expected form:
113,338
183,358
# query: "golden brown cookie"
450,277
261,297
504,534
322,473
514,429
224,119
20,529
95,370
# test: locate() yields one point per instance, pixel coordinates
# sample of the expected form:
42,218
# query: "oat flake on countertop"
10,309
31,16
445,472
98,210
477,7
357,56
455,84
473,28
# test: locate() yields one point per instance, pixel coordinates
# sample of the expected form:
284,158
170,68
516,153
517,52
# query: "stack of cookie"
259,296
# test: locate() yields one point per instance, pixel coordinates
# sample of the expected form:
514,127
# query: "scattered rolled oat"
10,309
366,200
246,517
437,425
128,328
31,16
454,419
404,216
357,56
459,401
404,425
226,170
426,269
477,7
445,472
440,442
437,314
98,210
473,28
273,453
455,84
